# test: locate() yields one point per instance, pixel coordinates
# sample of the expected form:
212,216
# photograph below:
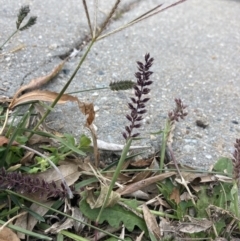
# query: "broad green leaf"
21,139
224,165
114,216
84,141
220,225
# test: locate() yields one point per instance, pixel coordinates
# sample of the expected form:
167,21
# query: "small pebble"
53,46
96,108
202,123
235,122
208,156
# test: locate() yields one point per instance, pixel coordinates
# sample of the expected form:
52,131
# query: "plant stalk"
9,38
115,176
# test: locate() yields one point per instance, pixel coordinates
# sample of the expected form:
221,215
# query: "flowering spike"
137,106
28,184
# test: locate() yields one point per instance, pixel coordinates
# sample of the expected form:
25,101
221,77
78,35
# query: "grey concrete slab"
197,54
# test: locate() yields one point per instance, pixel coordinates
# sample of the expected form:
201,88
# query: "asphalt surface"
196,47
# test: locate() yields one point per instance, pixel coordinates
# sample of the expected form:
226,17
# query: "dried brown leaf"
96,202
195,225
141,163
27,158
140,176
151,222
32,221
175,195
69,172
21,222
36,139
139,238
6,234
186,197
59,226
40,81
88,110
139,194
41,95
4,141
144,183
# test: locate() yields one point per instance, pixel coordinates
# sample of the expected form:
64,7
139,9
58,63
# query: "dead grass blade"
109,17
88,17
144,16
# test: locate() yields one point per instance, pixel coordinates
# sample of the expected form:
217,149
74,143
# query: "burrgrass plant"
22,14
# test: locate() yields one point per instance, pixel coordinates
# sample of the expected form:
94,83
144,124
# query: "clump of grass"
22,14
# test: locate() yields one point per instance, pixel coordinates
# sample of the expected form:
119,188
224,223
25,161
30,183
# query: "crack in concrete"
80,44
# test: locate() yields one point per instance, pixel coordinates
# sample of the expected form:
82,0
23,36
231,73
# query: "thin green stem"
9,38
115,176
164,143
65,87
160,214
80,91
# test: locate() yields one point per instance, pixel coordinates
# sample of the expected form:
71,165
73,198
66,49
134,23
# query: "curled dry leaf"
96,202
4,141
40,81
144,183
195,225
175,195
49,96
58,226
41,95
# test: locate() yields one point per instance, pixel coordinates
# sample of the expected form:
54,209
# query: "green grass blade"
22,230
